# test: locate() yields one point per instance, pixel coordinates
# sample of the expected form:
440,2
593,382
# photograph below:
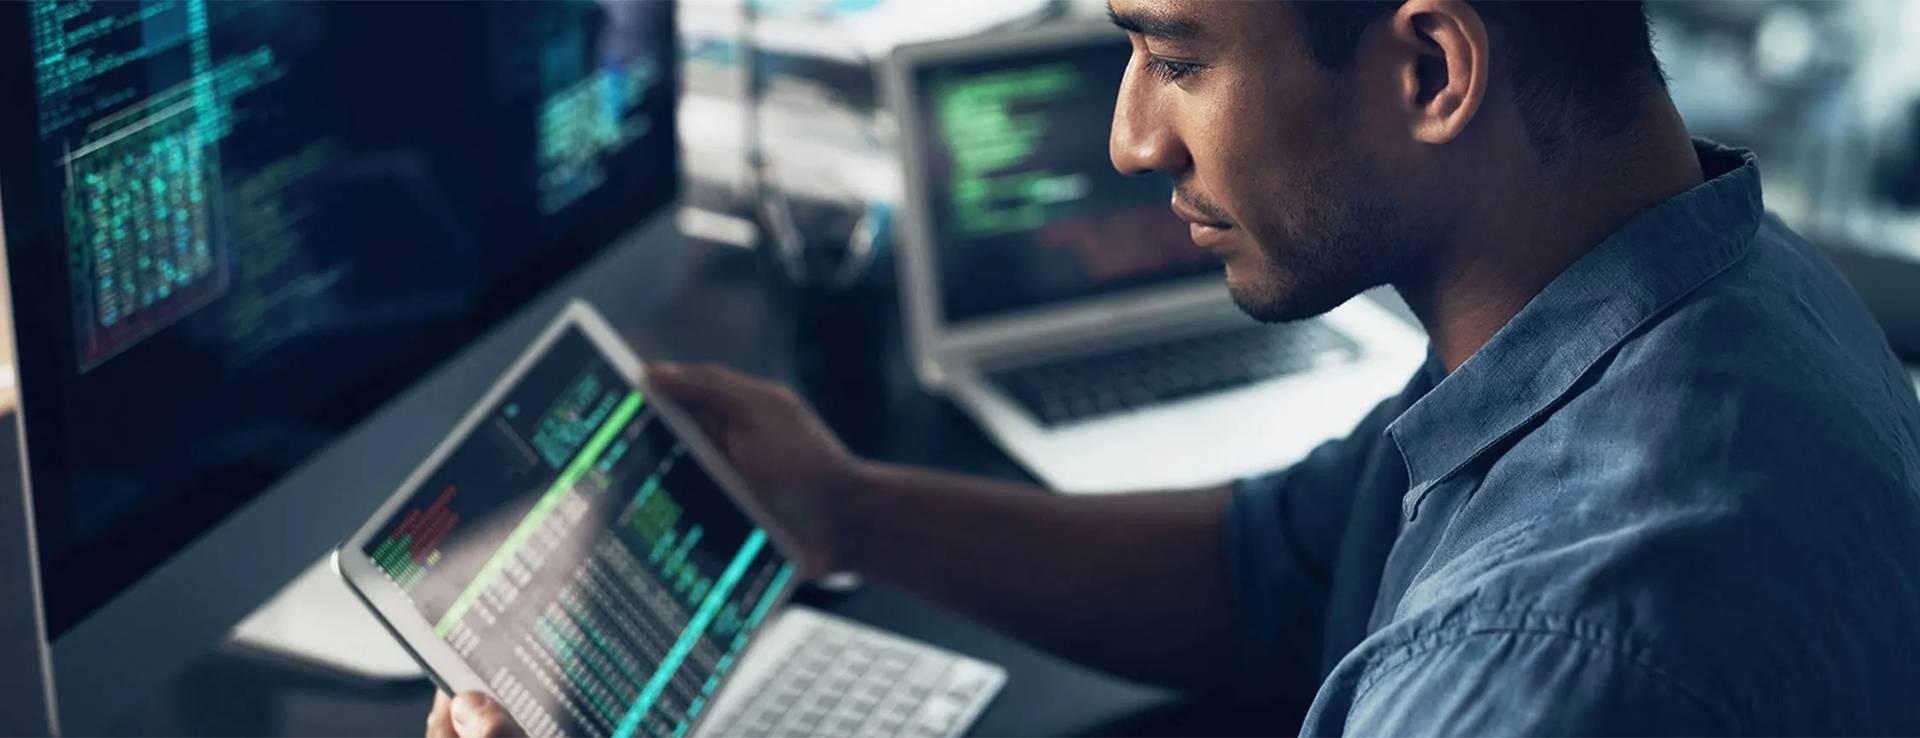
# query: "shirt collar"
1592,307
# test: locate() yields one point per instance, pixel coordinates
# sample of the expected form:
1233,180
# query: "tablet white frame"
403,619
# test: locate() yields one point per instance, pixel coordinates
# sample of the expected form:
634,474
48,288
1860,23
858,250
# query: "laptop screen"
1026,210
580,560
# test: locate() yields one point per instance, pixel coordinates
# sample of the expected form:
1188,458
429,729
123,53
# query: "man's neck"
1528,233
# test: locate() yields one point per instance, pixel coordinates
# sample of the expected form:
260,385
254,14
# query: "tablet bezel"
448,670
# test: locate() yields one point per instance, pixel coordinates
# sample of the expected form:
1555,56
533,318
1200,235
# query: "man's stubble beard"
1350,235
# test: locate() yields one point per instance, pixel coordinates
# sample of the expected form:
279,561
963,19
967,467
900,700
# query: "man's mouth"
1206,232
1207,236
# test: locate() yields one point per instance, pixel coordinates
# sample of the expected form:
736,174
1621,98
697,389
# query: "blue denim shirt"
1678,493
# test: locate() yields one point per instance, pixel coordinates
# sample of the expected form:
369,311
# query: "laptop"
1063,305
577,550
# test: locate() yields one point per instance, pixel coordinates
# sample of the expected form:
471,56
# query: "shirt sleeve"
1282,536
1522,682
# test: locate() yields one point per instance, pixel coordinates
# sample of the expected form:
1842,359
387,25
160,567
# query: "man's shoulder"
1767,397
1731,497
1772,373
1782,315
1754,443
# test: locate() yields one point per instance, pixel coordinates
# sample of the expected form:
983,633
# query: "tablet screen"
580,560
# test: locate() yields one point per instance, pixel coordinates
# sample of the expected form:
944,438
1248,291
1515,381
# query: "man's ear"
1442,47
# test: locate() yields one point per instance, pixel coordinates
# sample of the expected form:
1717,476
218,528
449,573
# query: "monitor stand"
316,619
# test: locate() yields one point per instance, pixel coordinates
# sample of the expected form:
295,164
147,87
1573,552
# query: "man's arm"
1134,584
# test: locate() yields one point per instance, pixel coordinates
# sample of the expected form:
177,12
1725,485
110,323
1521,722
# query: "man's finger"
476,716
699,387
714,428
440,719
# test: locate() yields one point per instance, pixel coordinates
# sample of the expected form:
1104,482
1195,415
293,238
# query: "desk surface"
727,310
239,692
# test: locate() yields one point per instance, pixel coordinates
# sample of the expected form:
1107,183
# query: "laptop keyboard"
1091,386
846,679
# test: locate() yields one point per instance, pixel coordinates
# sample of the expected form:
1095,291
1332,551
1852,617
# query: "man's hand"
471,715
794,466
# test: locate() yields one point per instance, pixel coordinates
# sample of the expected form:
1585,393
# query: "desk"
843,353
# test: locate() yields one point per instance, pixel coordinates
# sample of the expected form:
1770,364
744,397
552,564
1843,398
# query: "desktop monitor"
235,230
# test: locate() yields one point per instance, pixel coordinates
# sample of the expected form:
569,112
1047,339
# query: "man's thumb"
475,715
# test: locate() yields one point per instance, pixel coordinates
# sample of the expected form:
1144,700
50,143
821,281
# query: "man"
1660,474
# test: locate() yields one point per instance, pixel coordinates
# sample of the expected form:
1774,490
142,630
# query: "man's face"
1269,155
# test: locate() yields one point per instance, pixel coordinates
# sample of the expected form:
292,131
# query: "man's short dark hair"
1580,69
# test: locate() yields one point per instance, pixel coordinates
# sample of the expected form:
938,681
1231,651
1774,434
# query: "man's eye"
1171,71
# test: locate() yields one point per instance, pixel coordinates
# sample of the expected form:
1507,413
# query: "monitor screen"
1026,210
236,228
579,559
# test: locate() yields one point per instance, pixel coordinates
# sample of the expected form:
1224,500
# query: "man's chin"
1271,304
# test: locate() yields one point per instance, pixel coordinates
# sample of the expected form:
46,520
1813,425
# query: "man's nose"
1143,139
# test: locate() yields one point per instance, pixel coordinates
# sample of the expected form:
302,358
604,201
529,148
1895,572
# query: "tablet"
574,548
